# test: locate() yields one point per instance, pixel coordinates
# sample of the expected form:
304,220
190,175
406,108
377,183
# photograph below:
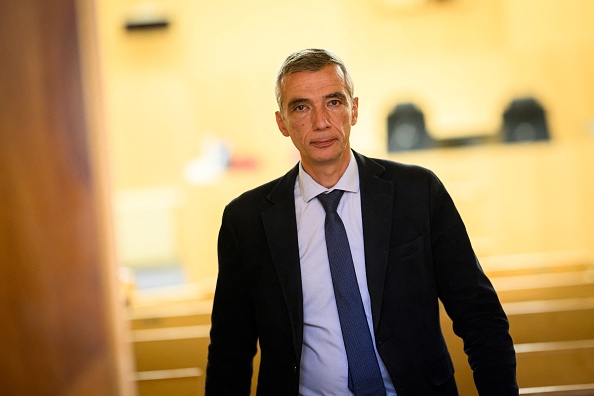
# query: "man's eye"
300,108
334,102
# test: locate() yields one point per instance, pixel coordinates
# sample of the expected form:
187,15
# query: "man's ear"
355,111
281,124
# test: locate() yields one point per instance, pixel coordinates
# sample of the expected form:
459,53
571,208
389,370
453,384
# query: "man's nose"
320,119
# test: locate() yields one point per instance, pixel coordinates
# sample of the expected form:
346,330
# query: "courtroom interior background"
189,114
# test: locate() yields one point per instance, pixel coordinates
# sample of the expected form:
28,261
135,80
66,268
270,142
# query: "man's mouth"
323,143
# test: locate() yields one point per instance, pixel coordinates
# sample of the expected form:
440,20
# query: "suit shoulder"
254,196
404,172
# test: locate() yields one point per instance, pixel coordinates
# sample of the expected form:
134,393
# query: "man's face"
317,115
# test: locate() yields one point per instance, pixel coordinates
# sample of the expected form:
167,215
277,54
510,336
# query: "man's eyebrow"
338,95
297,101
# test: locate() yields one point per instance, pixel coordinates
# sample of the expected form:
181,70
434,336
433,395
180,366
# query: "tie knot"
330,200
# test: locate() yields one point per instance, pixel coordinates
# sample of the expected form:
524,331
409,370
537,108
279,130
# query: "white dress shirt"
324,367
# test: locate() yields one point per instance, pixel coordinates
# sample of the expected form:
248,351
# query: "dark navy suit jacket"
416,251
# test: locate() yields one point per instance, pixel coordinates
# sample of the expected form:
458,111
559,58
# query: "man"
278,282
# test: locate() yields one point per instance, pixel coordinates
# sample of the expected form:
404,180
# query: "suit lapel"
280,226
377,196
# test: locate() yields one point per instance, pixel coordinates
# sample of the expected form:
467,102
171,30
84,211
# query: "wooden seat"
183,313
171,348
555,363
551,320
560,390
535,326
538,364
179,382
537,263
545,286
547,304
544,320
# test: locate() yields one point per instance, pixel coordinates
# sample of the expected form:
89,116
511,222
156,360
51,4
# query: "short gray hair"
311,59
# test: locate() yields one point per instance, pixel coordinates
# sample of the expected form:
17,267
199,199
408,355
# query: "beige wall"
210,75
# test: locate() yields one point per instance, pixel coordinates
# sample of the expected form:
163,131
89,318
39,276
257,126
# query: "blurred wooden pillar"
61,322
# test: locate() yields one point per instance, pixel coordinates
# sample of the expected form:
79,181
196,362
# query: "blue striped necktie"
364,373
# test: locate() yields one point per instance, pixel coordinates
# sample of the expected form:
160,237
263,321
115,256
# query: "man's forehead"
326,81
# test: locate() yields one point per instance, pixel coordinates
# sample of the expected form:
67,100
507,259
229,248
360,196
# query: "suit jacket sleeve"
470,299
233,332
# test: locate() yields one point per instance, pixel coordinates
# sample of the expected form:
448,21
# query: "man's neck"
328,175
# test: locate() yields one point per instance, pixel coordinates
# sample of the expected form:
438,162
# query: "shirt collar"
349,181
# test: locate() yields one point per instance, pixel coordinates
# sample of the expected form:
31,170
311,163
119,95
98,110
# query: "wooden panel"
184,313
58,329
534,325
551,262
174,348
171,348
181,382
170,321
186,386
551,320
544,286
558,363
560,390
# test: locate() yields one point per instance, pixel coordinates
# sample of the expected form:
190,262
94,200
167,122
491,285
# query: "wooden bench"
185,345
560,390
179,382
544,286
535,326
555,363
165,356
171,360
538,364
173,336
171,347
170,339
181,313
537,263
551,320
